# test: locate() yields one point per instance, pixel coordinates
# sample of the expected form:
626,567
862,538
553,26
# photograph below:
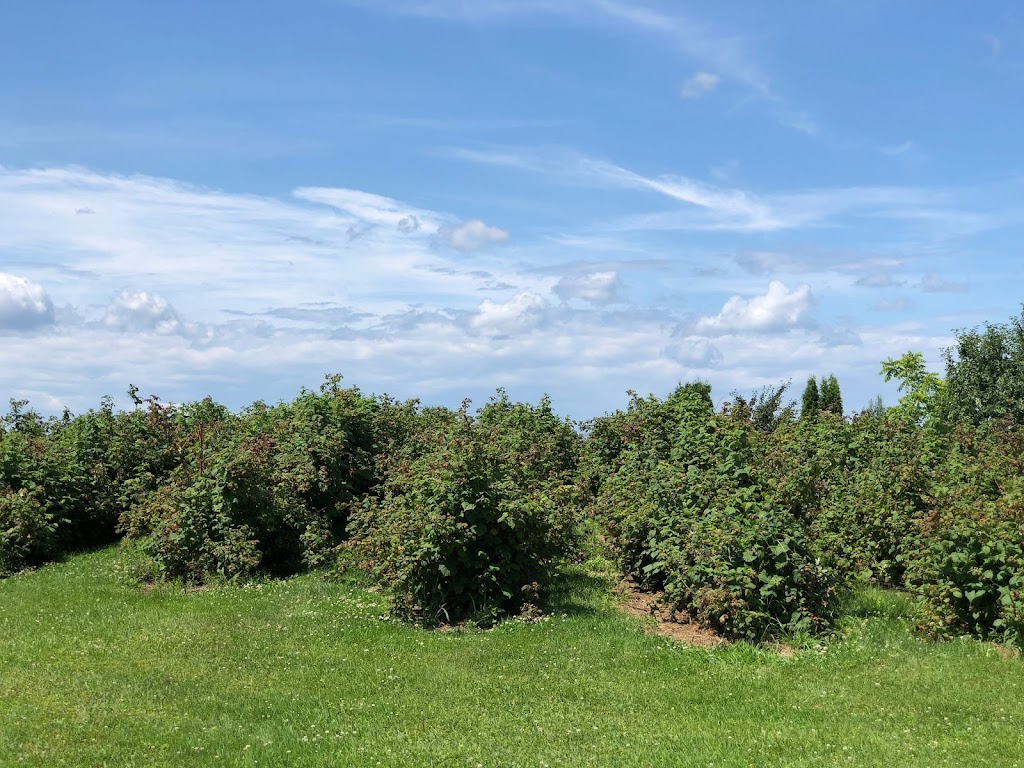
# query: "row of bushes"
753,530
461,516
205,493
748,519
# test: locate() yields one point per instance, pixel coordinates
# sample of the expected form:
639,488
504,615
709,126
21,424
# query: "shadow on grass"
575,592
872,602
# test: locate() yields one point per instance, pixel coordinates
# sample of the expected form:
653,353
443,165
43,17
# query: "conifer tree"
831,398
809,403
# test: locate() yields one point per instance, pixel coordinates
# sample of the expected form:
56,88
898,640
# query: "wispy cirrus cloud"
714,207
722,55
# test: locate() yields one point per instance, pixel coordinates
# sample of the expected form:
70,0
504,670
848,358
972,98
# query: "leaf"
781,548
974,594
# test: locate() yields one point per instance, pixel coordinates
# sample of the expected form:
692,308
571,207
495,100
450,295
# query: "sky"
437,198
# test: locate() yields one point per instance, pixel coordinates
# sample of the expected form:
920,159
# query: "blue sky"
436,198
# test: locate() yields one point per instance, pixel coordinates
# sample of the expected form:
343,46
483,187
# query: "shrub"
687,514
474,523
28,533
802,462
971,572
967,560
747,570
873,507
268,490
192,536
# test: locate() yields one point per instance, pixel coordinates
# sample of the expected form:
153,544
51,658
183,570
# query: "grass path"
97,672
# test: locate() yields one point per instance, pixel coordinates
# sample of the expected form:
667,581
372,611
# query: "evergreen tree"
810,402
831,398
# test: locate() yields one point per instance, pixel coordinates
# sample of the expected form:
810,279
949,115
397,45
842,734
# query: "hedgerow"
686,514
748,518
268,490
967,559
474,515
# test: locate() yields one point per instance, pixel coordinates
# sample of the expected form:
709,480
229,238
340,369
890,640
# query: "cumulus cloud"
778,309
700,84
597,288
23,304
523,312
141,311
473,235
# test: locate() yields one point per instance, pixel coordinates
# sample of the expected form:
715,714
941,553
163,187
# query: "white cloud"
371,208
282,295
716,208
725,208
596,287
700,84
141,311
694,353
216,251
23,304
474,234
778,309
521,313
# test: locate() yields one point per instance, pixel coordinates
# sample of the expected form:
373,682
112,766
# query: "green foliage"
801,463
985,374
764,409
924,390
873,504
474,523
748,519
269,490
971,572
968,560
28,533
810,401
59,478
831,396
748,571
692,518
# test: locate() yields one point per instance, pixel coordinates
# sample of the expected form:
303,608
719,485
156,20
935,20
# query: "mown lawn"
95,671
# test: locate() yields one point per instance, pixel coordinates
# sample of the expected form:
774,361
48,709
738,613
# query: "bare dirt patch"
647,605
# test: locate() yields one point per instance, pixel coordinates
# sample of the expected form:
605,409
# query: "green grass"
96,671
